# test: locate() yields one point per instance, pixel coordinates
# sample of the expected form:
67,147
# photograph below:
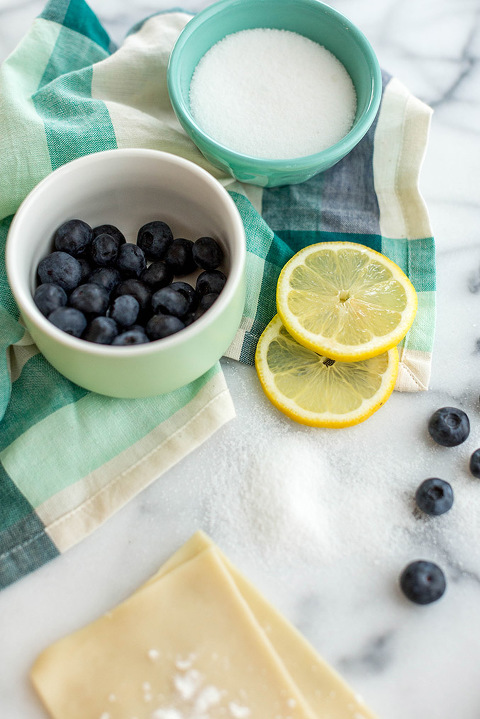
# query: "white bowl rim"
25,299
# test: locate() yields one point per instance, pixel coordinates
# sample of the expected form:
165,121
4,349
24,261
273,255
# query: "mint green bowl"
310,18
128,188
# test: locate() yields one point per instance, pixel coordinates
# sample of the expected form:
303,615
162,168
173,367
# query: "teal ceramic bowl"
309,18
128,188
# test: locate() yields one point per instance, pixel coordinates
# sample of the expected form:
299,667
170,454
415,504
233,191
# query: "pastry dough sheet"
197,641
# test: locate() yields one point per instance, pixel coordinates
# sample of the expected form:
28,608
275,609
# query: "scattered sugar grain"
184,664
209,697
167,713
238,711
272,94
153,654
188,684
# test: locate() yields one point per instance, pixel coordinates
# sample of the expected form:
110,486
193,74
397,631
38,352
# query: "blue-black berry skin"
73,237
138,289
449,426
207,253
191,317
179,257
131,260
68,319
170,302
86,269
49,297
111,230
101,330
206,301
157,275
475,464
91,299
160,326
434,496
124,310
61,269
188,291
423,582
155,238
104,250
210,281
135,336
107,277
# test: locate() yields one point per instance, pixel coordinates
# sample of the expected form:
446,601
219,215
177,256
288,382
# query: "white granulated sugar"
168,713
209,697
272,94
187,684
238,711
153,654
184,663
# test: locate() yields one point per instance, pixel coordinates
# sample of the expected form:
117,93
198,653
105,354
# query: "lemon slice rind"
294,407
365,311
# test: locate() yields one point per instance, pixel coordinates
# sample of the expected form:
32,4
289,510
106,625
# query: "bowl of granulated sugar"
273,91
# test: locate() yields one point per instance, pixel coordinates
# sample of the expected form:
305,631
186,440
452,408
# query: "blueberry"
206,301
124,310
210,281
138,289
160,326
191,317
449,426
68,319
423,582
106,277
111,230
73,237
49,297
157,275
170,302
188,291
131,260
61,269
104,250
86,269
154,238
434,496
101,330
475,463
91,299
207,253
179,257
131,336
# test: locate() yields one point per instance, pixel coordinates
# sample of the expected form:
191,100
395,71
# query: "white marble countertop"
335,576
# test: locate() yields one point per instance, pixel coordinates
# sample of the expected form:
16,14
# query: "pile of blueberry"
423,581
97,286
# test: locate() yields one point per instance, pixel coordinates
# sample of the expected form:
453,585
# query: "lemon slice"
315,390
345,300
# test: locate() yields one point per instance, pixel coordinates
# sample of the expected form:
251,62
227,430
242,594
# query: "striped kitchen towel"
66,92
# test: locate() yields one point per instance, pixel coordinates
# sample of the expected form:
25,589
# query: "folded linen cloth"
66,92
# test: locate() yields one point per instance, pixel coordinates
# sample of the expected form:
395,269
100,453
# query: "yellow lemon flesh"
315,390
345,301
